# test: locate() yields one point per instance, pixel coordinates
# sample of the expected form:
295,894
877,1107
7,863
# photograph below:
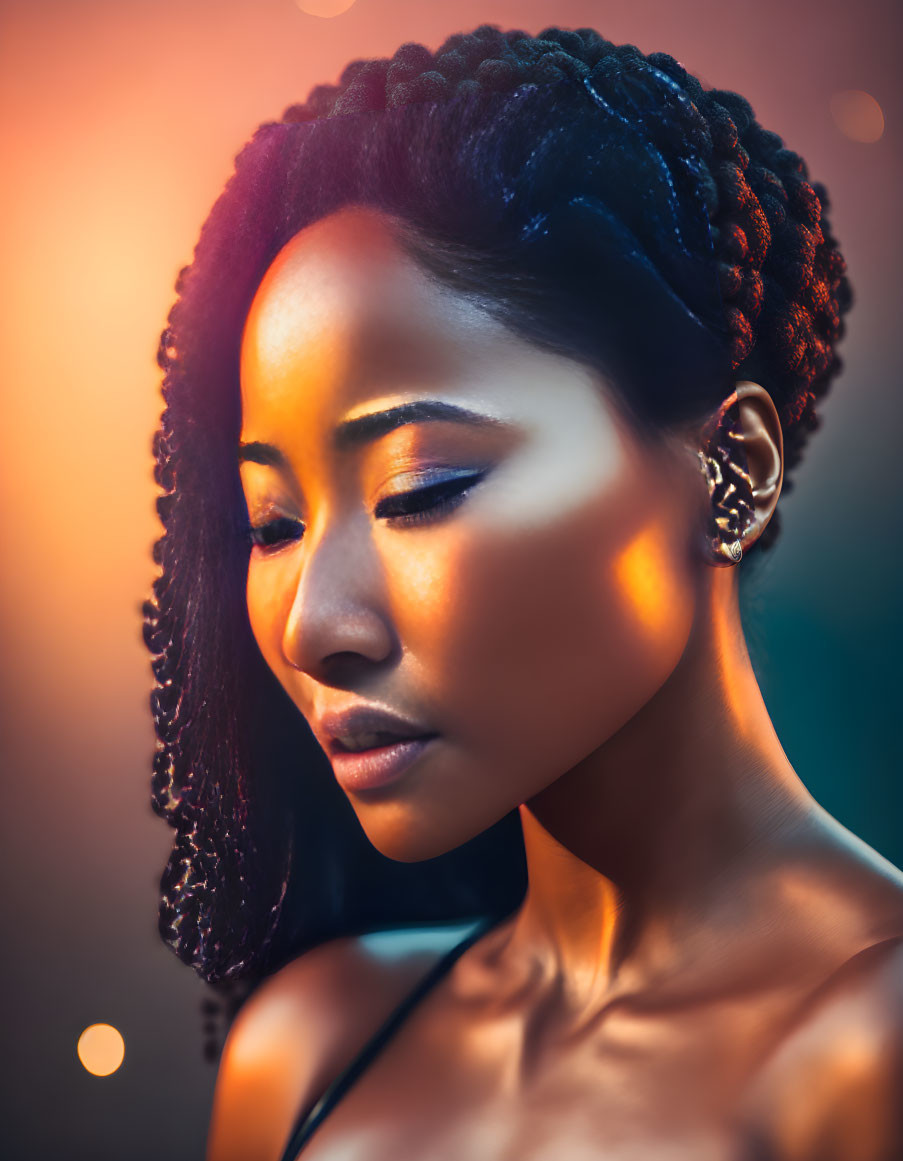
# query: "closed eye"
426,504
274,533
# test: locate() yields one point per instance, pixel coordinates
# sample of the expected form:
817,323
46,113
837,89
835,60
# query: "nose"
337,618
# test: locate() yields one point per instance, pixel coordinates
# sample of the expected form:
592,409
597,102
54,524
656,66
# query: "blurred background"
119,125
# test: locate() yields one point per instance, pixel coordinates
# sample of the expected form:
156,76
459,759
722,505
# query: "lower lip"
369,769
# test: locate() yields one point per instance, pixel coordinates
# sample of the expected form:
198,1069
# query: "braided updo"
782,277
600,202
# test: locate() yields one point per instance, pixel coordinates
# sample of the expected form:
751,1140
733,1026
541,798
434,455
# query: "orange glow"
642,572
324,7
858,115
101,1049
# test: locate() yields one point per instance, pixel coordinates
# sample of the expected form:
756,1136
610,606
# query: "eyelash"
260,533
401,510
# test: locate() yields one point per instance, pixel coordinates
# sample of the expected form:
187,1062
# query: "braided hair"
598,201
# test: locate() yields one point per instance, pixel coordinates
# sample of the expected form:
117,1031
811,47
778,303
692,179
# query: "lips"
393,742
389,727
379,766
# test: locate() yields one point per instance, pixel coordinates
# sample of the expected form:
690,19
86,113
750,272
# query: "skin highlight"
582,661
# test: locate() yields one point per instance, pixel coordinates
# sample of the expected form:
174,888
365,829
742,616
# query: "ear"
763,442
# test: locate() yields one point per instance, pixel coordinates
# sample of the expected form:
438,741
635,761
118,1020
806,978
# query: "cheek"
537,646
268,594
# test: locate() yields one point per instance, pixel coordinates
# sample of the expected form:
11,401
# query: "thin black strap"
312,1118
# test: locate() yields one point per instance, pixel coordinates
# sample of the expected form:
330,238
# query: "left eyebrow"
365,428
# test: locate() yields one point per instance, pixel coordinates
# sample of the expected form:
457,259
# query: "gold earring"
724,465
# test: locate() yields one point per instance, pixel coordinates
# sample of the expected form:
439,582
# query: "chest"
635,1087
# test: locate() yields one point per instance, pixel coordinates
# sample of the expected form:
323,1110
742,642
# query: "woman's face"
522,610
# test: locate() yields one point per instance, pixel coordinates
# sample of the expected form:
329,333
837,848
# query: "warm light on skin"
858,115
640,571
101,1049
495,620
324,8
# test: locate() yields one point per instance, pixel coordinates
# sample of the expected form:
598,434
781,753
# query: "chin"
406,837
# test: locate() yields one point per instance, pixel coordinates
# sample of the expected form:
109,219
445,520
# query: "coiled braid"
229,745
783,278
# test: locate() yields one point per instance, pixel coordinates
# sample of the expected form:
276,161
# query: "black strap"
311,1119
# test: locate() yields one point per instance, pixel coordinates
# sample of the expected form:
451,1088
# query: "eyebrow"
366,428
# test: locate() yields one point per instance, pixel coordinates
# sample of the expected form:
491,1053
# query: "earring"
723,463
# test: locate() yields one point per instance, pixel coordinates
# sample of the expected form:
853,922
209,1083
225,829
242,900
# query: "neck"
641,851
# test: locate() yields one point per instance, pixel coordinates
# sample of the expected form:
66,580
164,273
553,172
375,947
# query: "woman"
490,369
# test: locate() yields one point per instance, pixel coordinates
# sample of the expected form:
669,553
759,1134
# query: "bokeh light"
101,1049
324,7
857,115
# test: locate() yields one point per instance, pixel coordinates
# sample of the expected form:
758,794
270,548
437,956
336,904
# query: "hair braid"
183,791
783,278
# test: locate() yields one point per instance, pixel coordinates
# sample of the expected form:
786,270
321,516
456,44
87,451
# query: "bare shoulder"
831,1090
302,1025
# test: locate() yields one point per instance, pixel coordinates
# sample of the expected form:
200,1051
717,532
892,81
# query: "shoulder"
832,1087
302,1025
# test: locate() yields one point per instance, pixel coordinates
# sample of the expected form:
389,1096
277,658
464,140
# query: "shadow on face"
507,567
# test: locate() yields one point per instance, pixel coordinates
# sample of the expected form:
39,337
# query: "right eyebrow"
261,453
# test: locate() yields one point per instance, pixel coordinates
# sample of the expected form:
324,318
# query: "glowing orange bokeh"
324,7
101,1049
858,115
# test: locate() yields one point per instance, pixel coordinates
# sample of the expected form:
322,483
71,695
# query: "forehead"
344,320
343,308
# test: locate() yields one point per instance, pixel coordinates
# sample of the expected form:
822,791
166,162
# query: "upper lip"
365,719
